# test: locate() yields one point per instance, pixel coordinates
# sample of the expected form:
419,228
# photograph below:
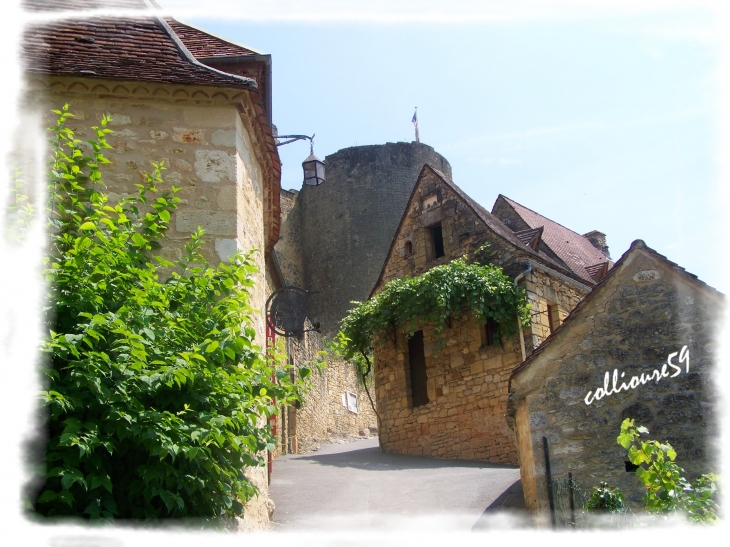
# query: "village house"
648,314
202,105
212,129
450,402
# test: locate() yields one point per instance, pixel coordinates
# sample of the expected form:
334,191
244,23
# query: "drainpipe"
519,323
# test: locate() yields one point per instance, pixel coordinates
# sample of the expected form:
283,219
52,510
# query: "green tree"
158,396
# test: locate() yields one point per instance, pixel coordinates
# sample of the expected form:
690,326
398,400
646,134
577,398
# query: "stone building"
333,241
599,368
211,128
459,410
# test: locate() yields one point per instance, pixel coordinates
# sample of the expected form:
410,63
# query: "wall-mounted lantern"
313,167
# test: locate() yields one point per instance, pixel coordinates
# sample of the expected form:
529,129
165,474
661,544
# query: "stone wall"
322,417
644,311
542,289
208,150
467,391
349,221
288,250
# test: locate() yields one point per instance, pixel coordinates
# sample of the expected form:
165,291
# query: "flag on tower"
415,123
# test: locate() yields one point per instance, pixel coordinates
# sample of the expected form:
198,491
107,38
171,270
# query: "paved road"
354,486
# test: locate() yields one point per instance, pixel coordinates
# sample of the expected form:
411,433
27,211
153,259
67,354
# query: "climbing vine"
434,297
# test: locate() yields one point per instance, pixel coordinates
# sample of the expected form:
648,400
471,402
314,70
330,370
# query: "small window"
437,241
351,402
490,333
408,248
417,368
553,313
430,201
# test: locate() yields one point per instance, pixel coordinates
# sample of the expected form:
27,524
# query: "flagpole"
415,123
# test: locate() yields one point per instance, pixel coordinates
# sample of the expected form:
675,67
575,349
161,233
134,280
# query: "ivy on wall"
432,298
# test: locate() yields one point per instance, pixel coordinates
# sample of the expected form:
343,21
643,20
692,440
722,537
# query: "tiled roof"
530,237
598,271
635,247
118,49
201,44
576,251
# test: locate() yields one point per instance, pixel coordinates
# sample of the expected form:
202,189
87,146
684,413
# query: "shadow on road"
373,459
507,511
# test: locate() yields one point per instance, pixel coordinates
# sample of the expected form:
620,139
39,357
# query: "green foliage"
667,490
605,499
434,297
157,397
361,361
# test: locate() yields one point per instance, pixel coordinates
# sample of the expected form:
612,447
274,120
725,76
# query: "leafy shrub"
667,490
157,395
605,499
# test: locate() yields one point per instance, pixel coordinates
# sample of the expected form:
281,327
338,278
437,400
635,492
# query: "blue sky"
603,119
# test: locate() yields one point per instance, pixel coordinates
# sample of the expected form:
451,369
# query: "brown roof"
637,244
491,221
576,251
117,48
201,44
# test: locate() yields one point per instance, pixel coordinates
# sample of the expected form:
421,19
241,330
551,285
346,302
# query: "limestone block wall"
463,233
543,288
323,415
288,249
645,311
207,151
467,392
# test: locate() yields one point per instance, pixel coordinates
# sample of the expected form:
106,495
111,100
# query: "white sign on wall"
344,400
352,402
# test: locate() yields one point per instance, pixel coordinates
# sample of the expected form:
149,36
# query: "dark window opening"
630,466
437,239
490,333
409,248
550,312
417,366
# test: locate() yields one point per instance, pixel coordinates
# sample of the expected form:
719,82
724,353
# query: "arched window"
409,248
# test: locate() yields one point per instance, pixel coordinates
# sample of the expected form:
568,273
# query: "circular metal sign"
286,311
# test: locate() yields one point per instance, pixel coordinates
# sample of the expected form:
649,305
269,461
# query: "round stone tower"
348,223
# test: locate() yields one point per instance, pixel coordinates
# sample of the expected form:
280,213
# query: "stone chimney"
598,239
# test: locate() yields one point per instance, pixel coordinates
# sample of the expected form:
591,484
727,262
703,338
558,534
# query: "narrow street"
354,486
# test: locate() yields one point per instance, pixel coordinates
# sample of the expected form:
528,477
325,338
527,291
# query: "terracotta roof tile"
576,251
530,237
120,48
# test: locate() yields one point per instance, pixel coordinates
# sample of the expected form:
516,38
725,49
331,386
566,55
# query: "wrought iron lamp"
313,166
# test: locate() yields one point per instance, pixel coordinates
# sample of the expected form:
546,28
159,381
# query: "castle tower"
347,224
